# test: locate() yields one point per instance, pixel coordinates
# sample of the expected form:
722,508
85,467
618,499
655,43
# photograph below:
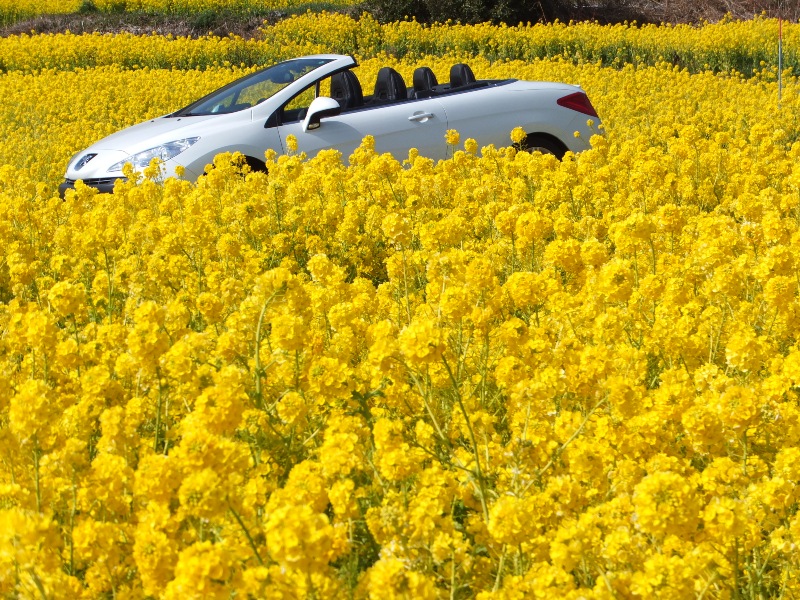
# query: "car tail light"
578,101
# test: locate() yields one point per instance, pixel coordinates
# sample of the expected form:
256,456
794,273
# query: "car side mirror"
320,108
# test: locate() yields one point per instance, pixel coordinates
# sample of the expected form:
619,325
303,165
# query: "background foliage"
205,15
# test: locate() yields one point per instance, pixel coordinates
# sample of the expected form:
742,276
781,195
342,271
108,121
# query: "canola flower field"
496,376
12,11
732,47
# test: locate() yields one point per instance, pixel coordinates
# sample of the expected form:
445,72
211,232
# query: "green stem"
478,470
166,425
259,396
36,457
72,513
424,396
500,566
563,447
247,535
405,285
39,585
158,411
110,287
452,575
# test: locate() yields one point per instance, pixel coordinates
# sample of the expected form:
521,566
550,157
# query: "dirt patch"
245,26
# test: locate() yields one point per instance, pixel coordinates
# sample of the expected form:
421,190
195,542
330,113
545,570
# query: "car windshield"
252,89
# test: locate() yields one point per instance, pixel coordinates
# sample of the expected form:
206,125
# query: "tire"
256,166
545,144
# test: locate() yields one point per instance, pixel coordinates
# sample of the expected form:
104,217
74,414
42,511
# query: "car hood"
94,161
149,134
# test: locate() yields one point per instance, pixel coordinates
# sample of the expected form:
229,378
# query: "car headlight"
164,152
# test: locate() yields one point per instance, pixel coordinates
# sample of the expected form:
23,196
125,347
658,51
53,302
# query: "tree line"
604,11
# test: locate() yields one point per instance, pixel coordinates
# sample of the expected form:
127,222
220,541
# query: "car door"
488,114
396,127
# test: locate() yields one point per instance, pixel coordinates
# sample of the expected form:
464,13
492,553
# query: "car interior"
390,86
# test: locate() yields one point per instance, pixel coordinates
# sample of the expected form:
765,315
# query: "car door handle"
421,117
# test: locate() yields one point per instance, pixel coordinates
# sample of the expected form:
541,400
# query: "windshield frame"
283,74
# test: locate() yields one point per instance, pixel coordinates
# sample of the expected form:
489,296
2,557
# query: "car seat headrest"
346,90
461,74
389,85
424,81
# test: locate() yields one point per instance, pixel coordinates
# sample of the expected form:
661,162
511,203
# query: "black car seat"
389,86
424,82
346,90
461,75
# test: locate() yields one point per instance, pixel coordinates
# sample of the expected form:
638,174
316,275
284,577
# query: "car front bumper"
103,185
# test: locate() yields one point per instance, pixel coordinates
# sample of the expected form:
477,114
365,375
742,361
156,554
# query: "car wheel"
545,144
256,166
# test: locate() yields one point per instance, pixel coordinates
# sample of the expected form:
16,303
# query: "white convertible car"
320,101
